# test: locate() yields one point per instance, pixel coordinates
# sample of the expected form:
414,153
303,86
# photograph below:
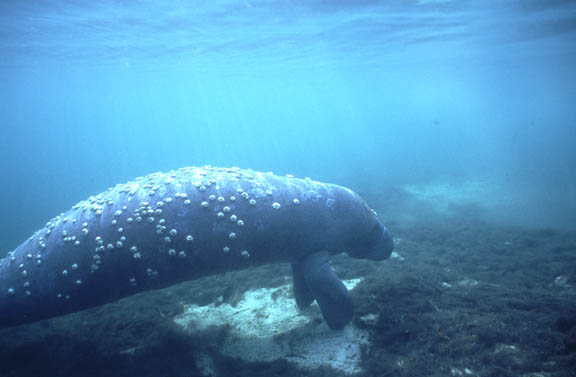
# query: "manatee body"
166,228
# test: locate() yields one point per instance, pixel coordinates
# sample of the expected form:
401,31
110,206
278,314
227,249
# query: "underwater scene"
238,188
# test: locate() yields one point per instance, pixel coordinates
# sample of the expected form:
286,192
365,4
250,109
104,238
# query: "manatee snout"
384,246
376,244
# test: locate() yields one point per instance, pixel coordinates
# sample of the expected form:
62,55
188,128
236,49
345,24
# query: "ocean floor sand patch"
266,325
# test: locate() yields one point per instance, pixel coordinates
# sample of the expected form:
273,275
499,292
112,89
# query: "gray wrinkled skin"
171,227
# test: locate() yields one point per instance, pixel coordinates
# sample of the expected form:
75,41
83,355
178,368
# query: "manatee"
166,228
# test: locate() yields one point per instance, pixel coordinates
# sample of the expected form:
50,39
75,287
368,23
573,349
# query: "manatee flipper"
314,278
303,295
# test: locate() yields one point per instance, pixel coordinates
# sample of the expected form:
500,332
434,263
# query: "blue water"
369,94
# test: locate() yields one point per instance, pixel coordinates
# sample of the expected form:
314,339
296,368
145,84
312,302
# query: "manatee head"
367,238
374,244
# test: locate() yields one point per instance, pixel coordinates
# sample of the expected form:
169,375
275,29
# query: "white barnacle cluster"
161,185
225,186
135,253
73,229
152,274
160,226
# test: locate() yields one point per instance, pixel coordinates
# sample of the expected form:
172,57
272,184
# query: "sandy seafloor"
460,297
